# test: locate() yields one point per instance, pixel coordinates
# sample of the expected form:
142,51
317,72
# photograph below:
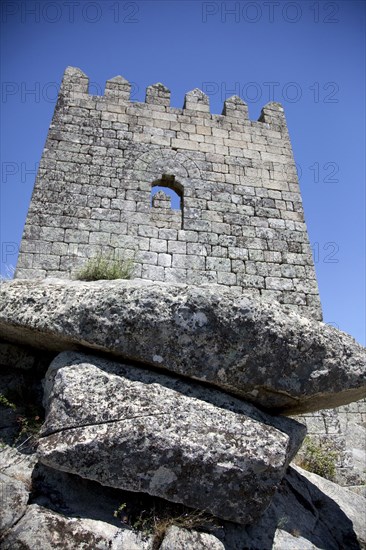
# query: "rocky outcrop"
45,529
262,352
144,444
306,512
136,430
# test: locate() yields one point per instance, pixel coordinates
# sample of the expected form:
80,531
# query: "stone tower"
240,222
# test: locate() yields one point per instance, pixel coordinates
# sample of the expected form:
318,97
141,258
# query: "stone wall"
345,429
241,221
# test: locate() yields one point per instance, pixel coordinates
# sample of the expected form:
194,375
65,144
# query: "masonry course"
240,221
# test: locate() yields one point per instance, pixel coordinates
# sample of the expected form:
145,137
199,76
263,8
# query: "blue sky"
310,56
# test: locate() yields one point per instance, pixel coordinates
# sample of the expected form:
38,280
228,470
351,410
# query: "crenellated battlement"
75,84
239,222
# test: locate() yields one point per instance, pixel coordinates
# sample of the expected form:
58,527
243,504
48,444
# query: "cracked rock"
148,432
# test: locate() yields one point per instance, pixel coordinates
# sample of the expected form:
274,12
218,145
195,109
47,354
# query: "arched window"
167,203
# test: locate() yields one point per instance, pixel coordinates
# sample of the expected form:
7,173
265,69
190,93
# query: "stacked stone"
201,429
164,216
242,218
343,430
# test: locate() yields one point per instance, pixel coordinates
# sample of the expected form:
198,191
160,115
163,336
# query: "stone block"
153,272
181,261
218,264
177,247
147,257
165,260
158,245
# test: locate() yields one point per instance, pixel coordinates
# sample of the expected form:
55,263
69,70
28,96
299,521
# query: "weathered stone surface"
262,352
16,465
13,501
44,529
181,539
308,508
136,430
353,506
286,541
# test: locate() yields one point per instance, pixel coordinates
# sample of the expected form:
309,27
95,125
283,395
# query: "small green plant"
29,428
28,414
318,457
105,267
282,522
158,525
120,513
6,403
151,516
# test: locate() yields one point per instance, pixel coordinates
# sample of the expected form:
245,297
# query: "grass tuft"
104,267
318,457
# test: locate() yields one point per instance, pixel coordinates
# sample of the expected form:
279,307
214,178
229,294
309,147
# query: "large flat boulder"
260,351
141,431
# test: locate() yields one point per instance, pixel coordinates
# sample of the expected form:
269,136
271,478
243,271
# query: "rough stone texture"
344,429
286,541
306,506
304,512
44,529
259,351
140,431
241,222
13,501
17,465
182,539
353,506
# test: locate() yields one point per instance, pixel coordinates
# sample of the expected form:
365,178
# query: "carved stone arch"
168,162
167,168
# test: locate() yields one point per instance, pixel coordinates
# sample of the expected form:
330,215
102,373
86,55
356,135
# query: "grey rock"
177,538
13,501
306,510
352,505
259,351
286,541
142,431
17,465
44,529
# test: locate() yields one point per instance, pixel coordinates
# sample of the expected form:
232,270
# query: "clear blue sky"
308,55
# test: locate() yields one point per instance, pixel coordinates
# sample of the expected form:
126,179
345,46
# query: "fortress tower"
240,222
